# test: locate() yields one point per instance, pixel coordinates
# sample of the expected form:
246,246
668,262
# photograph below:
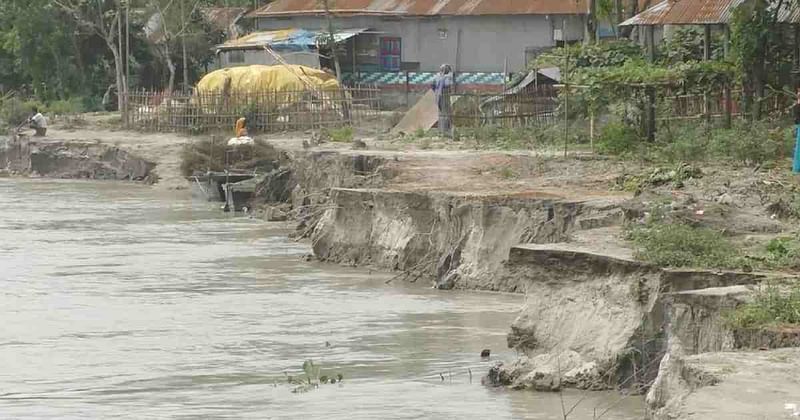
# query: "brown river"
121,301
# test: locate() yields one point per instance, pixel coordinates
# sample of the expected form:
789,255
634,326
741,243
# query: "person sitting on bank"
38,122
241,127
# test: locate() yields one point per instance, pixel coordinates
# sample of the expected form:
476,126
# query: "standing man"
38,122
441,88
796,164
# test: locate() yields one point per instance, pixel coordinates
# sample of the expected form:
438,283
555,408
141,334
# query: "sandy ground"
451,169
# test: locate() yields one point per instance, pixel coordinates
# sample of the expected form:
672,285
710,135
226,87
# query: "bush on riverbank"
215,155
680,245
746,143
771,306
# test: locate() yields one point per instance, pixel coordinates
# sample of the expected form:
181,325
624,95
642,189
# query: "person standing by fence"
441,88
796,163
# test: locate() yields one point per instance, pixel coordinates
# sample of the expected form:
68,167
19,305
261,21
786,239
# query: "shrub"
683,143
680,245
14,111
751,144
617,139
770,306
782,253
70,106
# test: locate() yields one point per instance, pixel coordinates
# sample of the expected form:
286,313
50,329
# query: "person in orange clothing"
241,127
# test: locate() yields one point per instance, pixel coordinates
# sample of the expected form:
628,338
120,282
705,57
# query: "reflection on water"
120,301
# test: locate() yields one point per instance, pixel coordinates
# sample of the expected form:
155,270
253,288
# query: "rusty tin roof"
424,7
701,12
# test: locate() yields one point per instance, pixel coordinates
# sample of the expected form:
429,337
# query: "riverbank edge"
71,159
532,244
594,317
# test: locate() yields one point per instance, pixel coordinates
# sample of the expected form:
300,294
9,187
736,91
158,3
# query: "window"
236,56
390,54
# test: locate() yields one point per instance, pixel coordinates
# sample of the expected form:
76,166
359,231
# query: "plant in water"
312,378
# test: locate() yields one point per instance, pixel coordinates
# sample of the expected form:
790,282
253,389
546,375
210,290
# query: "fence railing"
270,111
531,106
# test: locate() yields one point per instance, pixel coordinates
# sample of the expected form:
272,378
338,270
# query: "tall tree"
103,18
170,23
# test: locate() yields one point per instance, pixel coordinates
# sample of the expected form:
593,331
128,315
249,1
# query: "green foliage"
674,176
782,253
14,111
605,54
744,143
680,245
686,44
771,306
617,139
74,105
339,134
508,138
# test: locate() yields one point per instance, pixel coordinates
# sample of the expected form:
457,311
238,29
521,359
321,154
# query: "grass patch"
507,173
681,245
771,306
344,134
747,143
516,138
215,155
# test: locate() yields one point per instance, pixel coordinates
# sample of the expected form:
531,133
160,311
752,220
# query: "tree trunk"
185,66
591,23
332,41
183,50
171,67
117,72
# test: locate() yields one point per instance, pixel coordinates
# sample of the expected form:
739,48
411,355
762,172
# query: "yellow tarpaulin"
249,80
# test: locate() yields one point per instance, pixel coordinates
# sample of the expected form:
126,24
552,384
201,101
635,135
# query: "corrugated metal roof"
686,12
702,12
425,7
293,38
790,13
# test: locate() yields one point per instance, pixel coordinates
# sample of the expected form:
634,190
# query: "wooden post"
707,57
565,78
407,87
650,108
355,59
591,130
727,88
797,55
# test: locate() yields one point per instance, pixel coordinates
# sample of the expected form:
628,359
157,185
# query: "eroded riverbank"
594,316
121,300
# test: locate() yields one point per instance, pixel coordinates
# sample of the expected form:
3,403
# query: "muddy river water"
121,301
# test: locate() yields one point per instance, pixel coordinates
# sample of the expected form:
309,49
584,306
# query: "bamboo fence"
265,111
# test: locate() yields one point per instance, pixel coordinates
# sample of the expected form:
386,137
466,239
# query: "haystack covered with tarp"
291,96
256,79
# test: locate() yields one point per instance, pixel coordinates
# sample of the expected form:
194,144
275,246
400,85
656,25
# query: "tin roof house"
387,39
420,35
